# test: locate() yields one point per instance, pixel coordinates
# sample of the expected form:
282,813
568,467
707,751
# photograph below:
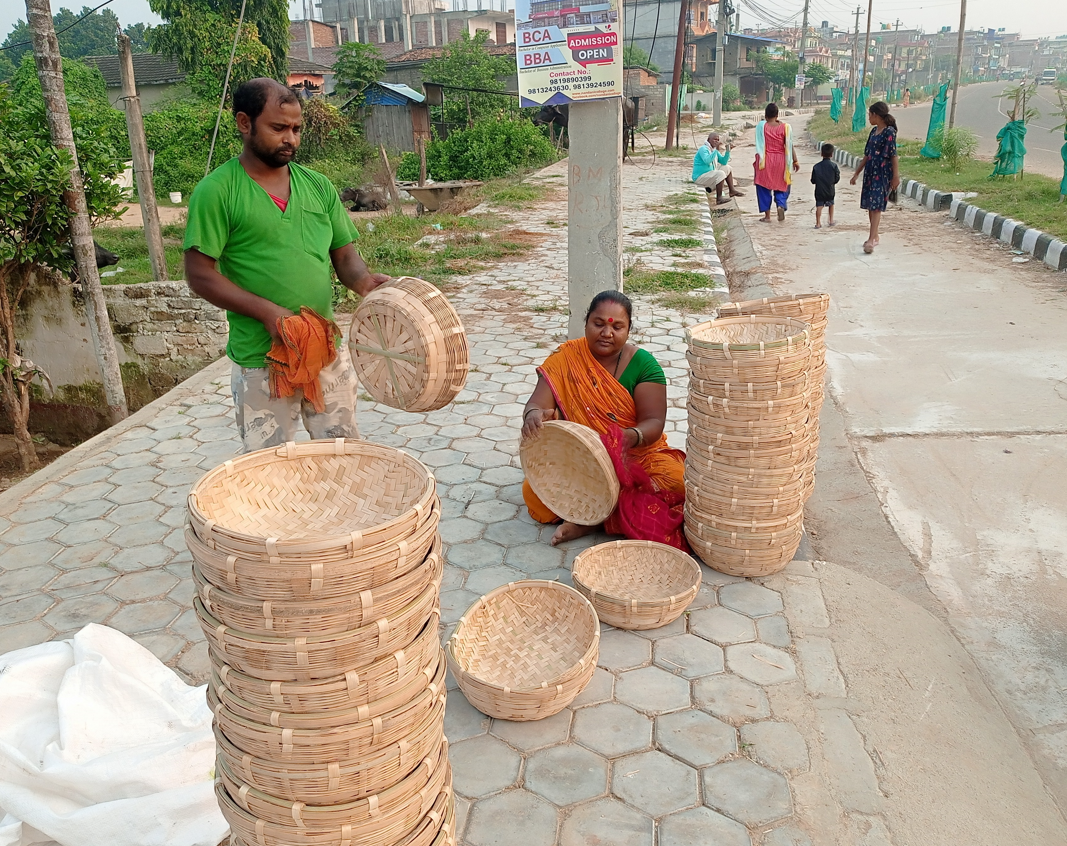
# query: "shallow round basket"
384,817
697,469
332,496
748,563
699,421
636,584
752,391
571,472
319,656
408,346
730,409
525,650
705,502
749,337
769,369
764,458
806,307
332,615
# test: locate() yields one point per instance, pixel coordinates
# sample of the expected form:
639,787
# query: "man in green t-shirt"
262,236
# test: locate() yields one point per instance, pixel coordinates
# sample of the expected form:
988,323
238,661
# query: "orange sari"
651,476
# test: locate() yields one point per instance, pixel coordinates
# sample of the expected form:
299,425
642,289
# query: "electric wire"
225,86
64,29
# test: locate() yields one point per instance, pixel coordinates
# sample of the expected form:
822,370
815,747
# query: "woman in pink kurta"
774,149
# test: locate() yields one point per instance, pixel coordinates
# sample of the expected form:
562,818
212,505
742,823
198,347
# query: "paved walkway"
698,733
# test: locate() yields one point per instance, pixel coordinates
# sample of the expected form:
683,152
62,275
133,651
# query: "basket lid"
408,346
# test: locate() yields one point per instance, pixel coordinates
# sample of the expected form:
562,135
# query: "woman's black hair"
616,297
771,111
881,110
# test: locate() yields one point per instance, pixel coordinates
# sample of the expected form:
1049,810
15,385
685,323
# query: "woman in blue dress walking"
880,168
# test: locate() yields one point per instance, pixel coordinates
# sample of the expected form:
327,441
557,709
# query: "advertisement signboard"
567,52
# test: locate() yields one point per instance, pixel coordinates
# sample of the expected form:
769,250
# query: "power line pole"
142,164
866,44
855,50
676,84
720,63
896,56
50,74
801,59
959,64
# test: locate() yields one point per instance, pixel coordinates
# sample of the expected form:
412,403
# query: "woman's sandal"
868,247
781,214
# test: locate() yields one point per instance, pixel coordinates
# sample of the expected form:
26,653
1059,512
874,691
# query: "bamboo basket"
749,527
747,563
636,584
320,497
409,668
700,455
284,580
740,507
408,346
749,337
384,817
741,540
807,307
771,369
304,659
698,484
710,438
525,650
752,391
571,472
729,409
730,474
319,616
699,420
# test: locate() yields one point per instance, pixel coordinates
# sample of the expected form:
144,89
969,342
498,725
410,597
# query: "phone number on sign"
549,89
607,83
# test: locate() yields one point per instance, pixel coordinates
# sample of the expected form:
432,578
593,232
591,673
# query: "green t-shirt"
643,367
281,256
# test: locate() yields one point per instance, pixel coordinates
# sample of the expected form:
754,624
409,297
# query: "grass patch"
689,303
129,244
1034,199
676,222
681,243
671,288
682,199
516,195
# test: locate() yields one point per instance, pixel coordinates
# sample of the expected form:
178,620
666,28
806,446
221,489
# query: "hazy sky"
1031,17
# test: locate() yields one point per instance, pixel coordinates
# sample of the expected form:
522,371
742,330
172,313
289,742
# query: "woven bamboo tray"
727,525
748,563
749,337
740,540
742,508
699,419
380,680
636,584
320,656
384,817
763,457
806,307
753,391
307,617
730,474
525,650
698,483
570,471
319,497
771,369
730,409
408,346
285,580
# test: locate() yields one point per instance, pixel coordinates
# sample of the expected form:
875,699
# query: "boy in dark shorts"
824,176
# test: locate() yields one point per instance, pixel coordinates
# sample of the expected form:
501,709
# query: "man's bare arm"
352,271
205,281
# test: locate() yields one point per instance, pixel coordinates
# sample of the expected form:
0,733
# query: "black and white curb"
1041,245
711,256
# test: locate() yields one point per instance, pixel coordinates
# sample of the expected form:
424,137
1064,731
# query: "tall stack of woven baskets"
318,571
756,388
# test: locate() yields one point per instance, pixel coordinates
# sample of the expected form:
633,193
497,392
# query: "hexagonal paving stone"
72,614
85,555
731,698
30,554
787,835
86,493
776,744
774,630
468,445
513,533
488,458
137,492
26,580
25,608
688,656
535,557
186,477
468,492
534,734
194,664
502,476
600,689
751,599
747,792
474,555
706,597
567,774
454,604
702,827
460,529
84,511
606,821
87,476
483,765
38,509
491,511
144,585
164,646
654,783
140,617
761,663
482,581
140,558
140,534
612,729
32,532
652,690
456,474
186,625
22,635
695,737
622,650
722,626
495,821
139,473
674,627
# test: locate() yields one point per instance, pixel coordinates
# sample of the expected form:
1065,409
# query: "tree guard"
859,117
932,148
837,96
1010,149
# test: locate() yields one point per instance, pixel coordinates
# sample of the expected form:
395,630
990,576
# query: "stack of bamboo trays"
752,439
318,572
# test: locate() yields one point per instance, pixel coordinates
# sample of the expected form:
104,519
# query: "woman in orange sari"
619,391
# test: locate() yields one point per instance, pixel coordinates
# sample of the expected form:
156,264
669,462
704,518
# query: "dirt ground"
11,472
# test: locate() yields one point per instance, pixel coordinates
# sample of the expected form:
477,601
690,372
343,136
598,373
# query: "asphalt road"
983,111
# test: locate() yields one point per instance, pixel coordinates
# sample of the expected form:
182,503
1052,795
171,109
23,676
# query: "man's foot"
868,247
831,223
781,214
571,531
819,225
736,193
765,220
719,201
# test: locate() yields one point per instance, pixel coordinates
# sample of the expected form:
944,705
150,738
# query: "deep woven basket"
636,584
295,618
811,308
770,369
749,338
408,346
699,454
753,391
406,669
748,563
743,410
319,497
525,650
571,472
699,419
696,471
320,656
742,506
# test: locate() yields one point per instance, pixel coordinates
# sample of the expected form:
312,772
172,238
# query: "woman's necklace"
619,359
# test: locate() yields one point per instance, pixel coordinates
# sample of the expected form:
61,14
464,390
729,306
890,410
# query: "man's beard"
272,157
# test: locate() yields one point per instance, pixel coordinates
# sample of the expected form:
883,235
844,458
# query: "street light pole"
720,64
676,85
855,51
866,45
959,64
802,59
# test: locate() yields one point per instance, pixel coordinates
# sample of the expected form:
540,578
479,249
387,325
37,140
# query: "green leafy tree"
94,36
817,74
190,30
634,57
466,63
35,232
138,34
731,98
780,72
357,66
180,134
491,148
252,58
7,68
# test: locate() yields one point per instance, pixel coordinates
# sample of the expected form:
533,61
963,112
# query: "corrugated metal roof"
392,94
148,69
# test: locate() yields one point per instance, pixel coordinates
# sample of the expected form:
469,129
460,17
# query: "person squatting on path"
711,169
880,168
825,176
262,235
774,149
620,391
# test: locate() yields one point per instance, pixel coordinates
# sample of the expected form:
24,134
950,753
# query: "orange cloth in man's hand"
308,344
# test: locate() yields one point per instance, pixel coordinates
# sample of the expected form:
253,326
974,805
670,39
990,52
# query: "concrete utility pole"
855,51
720,63
50,74
676,84
142,164
801,59
866,45
896,55
959,64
